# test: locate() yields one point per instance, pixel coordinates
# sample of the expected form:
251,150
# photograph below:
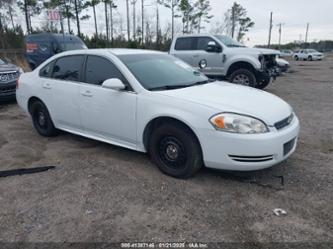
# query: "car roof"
114,51
194,35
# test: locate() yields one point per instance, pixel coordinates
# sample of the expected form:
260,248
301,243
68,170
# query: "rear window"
185,43
68,68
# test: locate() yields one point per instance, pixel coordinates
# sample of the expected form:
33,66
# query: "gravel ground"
100,192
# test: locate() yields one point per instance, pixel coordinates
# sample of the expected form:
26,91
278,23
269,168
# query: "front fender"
243,58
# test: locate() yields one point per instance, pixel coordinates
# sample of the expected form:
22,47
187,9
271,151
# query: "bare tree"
128,21
112,6
172,4
93,4
133,2
142,20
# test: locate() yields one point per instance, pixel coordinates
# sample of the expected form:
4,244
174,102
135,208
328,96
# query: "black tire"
263,84
310,58
296,58
42,120
175,150
243,77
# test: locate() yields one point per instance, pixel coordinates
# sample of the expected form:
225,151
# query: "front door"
212,61
107,114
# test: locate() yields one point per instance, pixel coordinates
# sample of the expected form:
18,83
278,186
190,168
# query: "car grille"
8,89
251,159
8,76
284,122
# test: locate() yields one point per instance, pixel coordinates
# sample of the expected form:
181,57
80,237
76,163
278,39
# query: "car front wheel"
263,84
243,77
175,150
41,119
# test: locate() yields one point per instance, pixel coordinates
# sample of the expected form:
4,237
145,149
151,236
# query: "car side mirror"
114,84
212,47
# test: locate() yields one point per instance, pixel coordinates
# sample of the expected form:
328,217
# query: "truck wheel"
263,84
175,150
243,77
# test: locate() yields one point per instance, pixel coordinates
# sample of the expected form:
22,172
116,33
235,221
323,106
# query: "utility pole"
306,33
270,29
280,32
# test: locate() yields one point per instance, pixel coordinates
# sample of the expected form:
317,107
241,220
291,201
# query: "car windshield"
312,51
2,62
162,71
229,42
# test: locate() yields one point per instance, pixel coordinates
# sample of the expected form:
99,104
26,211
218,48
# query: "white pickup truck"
220,56
308,54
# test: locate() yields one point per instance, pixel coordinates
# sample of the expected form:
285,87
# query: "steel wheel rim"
242,79
172,152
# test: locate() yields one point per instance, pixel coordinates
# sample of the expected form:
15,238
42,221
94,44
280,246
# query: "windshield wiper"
167,87
236,46
202,82
172,87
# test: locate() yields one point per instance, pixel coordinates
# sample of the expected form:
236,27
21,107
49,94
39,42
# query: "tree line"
142,30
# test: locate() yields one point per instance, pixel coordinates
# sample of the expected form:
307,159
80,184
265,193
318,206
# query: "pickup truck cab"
308,54
40,47
220,56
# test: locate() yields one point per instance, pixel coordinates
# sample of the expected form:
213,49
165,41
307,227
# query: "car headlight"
236,123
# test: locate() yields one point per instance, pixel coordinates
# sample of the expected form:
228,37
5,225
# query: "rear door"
184,49
64,87
106,113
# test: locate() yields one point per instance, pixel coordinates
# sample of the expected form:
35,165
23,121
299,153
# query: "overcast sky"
294,14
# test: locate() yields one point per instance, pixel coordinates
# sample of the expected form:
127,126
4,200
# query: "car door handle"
86,93
47,86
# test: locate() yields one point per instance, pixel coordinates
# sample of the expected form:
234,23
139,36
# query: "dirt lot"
99,192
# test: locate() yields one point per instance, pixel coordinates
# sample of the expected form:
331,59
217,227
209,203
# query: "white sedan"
153,102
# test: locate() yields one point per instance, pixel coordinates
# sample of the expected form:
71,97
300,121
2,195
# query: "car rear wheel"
41,119
175,150
243,77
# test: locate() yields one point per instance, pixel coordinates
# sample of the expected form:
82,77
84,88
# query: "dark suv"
9,74
40,47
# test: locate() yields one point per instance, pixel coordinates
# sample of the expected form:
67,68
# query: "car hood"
247,50
8,67
227,97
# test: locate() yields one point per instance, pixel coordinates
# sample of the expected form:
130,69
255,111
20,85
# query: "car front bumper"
246,152
317,57
7,90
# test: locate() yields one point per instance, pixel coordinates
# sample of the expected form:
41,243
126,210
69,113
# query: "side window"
99,69
187,43
68,68
47,70
203,43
